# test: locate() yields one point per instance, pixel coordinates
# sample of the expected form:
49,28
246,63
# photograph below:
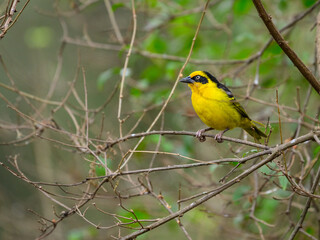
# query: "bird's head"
200,79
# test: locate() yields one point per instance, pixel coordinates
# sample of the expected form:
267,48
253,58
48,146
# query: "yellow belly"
217,114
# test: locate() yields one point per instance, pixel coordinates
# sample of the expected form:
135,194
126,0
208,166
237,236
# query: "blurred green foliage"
231,30
38,37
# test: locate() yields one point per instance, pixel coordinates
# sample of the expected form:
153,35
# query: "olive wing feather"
235,104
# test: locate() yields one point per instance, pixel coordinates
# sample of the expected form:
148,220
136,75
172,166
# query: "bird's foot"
200,136
218,136
200,132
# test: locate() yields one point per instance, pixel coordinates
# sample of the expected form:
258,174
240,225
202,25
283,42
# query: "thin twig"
306,207
175,84
304,70
113,21
134,16
275,153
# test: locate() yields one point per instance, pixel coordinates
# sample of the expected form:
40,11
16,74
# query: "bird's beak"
187,80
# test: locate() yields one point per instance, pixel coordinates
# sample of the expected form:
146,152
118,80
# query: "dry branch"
267,19
276,151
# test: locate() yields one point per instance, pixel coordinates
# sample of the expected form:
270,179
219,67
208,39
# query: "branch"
148,54
186,133
276,151
306,207
8,17
133,36
165,104
304,70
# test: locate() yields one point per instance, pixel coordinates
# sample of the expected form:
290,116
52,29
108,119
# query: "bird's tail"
254,131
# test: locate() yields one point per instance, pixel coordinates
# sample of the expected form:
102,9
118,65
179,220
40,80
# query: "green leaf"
244,37
235,164
273,49
282,193
180,28
308,3
143,84
115,6
249,152
182,2
274,127
311,230
166,145
172,70
92,231
213,167
266,209
81,234
105,76
39,37
275,62
222,10
155,43
228,82
241,7
283,182
135,92
154,138
100,171
265,169
269,82
152,3
186,147
283,5
152,73
316,151
139,212
197,216
160,95
157,21
238,220
77,234
242,53
239,192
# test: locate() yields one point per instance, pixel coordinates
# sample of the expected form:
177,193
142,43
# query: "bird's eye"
197,77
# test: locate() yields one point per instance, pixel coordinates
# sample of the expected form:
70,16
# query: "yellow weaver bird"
216,106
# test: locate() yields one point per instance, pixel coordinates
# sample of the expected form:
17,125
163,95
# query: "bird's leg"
202,131
219,135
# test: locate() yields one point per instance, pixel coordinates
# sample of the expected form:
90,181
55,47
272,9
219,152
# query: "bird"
217,107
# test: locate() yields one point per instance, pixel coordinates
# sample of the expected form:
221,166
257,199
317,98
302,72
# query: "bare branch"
267,19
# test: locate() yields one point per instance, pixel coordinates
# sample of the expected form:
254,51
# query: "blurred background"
61,68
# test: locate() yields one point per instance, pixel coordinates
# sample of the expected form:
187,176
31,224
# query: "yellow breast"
214,108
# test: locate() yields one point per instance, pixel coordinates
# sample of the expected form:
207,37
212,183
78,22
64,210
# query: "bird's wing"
240,109
227,90
235,104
